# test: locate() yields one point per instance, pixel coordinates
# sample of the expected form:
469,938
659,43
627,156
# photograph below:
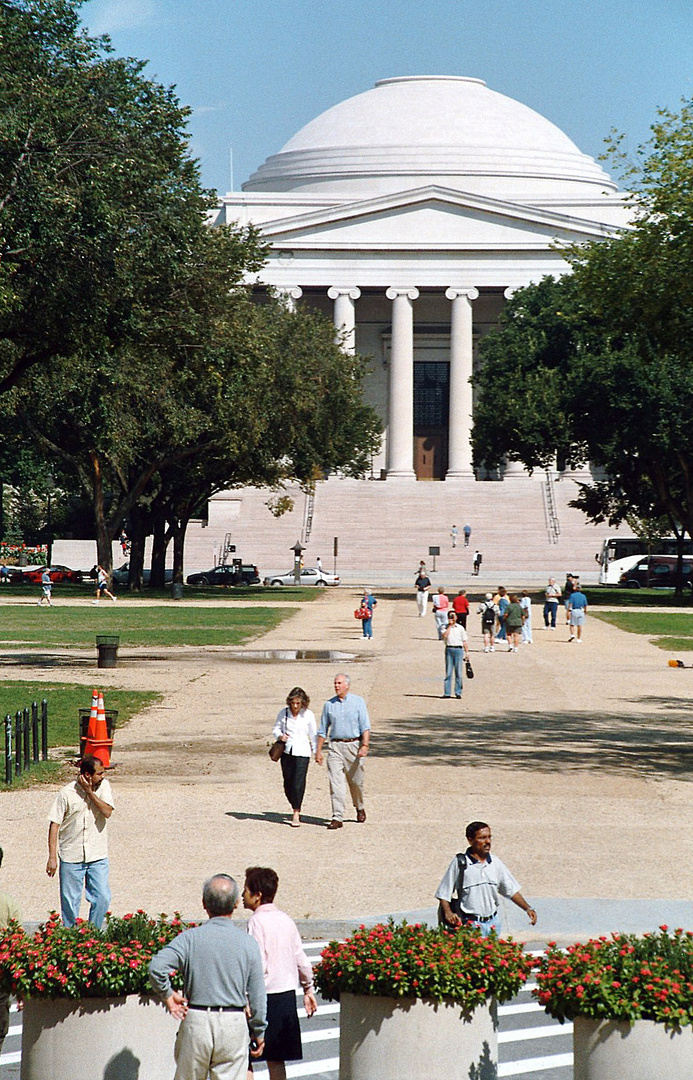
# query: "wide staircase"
387,527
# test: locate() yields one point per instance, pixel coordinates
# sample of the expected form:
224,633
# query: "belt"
217,1008
471,918
454,646
346,740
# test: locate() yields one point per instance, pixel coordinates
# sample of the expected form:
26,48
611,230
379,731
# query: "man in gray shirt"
221,967
345,719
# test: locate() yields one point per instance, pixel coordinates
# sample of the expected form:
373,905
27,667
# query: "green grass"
625,598
64,702
34,627
68,591
671,631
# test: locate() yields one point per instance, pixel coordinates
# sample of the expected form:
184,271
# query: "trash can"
177,590
84,714
107,649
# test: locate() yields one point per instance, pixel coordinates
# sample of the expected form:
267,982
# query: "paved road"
531,1044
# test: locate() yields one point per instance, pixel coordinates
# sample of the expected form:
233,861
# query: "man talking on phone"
221,968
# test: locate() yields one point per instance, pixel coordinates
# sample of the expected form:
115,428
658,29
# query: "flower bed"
621,978
413,961
83,962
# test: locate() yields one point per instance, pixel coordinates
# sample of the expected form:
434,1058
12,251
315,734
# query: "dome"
417,130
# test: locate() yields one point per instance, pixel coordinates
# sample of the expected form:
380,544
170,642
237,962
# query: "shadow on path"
276,819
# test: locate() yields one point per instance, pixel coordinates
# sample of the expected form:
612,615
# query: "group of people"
455,532
574,602
345,726
506,617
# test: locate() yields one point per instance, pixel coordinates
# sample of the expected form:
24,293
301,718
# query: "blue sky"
255,71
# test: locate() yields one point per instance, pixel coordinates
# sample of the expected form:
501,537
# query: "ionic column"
515,470
461,356
344,316
289,294
400,438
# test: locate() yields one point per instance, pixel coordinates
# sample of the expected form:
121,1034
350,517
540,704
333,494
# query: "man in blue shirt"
577,610
345,719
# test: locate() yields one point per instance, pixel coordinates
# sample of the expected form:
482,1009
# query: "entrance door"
431,410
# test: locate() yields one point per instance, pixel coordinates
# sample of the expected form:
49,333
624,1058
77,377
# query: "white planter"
613,1050
108,1038
402,1038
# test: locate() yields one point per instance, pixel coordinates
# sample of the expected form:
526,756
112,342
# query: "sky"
255,71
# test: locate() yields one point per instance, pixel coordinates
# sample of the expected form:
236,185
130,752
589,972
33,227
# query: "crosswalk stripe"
515,1010
322,1010
310,1068
320,1036
548,1031
11,1059
538,1064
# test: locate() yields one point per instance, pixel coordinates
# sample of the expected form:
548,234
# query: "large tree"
598,366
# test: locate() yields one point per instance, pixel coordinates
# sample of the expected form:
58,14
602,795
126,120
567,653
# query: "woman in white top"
296,727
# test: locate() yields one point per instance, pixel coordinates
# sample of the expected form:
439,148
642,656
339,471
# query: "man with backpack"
477,879
489,612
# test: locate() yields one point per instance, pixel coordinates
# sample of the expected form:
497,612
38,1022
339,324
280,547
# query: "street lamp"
298,550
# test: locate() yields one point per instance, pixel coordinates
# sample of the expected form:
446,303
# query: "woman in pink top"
285,964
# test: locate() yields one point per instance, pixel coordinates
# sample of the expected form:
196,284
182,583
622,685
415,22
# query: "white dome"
417,130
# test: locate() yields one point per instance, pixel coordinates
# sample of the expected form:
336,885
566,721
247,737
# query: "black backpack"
455,903
488,615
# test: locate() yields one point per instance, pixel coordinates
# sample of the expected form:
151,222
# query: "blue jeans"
453,662
368,627
489,927
92,875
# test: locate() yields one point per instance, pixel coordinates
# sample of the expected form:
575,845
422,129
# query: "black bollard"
44,729
34,732
18,743
8,749
27,737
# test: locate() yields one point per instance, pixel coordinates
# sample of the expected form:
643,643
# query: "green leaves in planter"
403,960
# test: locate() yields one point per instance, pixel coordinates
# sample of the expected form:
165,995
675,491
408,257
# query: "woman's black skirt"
283,1035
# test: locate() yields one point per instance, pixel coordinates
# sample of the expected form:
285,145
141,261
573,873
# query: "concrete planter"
109,1038
393,1038
613,1050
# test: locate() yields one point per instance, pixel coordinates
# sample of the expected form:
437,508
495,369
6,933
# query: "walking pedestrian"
422,585
296,728
577,612
513,622
456,649
345,720
46,587
502,602
571,581
489,613
368,601
440,604
478,559
526,605
467,530
478,879
552,595
460,606
454,533
78,837
221,968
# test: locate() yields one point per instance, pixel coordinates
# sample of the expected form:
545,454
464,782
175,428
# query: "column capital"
454,292
338,290
291,292
394,291
510,291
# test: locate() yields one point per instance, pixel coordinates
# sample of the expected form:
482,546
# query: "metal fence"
22,739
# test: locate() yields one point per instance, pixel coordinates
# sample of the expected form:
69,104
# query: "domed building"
408,214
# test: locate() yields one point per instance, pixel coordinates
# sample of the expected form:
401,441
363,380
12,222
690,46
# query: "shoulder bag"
277,748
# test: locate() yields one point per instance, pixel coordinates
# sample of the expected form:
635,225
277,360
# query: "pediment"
429,218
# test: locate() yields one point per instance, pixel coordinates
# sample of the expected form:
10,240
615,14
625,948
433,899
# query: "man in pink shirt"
285,964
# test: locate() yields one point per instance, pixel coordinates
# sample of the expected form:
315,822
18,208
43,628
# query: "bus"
621,553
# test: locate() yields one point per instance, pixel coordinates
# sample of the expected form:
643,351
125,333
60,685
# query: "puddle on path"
262,656
274,656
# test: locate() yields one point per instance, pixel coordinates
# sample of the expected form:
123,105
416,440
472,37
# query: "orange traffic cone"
99,743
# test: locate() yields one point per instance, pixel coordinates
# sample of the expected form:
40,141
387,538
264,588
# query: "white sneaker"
486,648
579,641
515,648
572,637
114,598
492,649
95,601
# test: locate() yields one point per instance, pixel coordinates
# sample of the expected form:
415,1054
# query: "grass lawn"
35,627
64,702
67,591
625,598
672,631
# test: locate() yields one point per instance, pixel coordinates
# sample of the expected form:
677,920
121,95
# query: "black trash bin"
84,714
177,590
107,649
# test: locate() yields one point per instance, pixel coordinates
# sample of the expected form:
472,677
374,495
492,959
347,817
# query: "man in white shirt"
456,650
478,880
78,835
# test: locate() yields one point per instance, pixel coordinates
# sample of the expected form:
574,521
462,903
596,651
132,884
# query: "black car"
657,572
226,575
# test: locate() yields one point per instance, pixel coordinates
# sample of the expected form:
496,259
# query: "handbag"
277,748
469,669
364,612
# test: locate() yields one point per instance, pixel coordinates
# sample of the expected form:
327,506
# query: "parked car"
121,576
310,575
657,572
247,574
33,575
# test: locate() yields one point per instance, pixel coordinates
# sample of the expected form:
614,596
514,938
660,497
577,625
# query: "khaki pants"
344,766
214,1044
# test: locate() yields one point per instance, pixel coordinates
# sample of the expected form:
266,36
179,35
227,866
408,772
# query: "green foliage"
622,978
403,960
83,962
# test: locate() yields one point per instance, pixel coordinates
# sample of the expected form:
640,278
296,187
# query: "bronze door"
431,411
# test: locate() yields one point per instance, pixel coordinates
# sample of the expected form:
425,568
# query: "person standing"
440,604
552,595
513,622
454,533
526,605
78,837
478,880
460,606
296,728
577,612
345,719
467,530
368,601
102,585
284,965
488,611
9,911
46,587
422,585
221,967
478,559
456,650
318,564
571,580
502,603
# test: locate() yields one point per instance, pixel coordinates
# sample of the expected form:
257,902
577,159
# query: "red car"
57,574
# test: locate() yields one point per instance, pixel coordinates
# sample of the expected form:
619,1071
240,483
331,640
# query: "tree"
598,365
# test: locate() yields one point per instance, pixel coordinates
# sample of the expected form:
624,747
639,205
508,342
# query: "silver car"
310,575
